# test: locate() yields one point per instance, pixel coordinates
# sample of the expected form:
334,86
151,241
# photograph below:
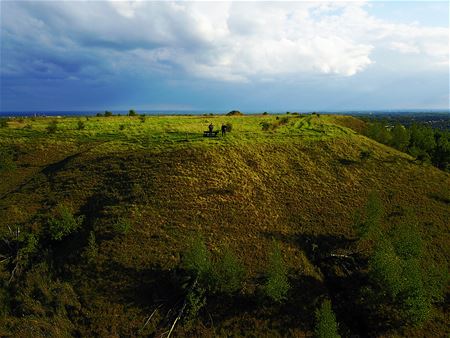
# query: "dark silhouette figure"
224,129
211,128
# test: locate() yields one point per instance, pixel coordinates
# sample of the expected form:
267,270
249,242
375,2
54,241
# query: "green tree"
368,223
52,127
228,273
132,112
400,137
197,260
277,285
63,223
326,324
80,125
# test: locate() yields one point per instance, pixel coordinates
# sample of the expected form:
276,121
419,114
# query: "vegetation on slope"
100,220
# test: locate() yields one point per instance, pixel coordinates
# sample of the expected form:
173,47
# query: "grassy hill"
146,187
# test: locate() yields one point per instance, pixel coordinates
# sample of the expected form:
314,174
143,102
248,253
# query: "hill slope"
299,183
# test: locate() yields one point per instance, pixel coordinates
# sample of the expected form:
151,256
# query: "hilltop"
145,187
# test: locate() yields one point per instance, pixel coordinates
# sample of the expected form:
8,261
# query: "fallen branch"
149,318
182,310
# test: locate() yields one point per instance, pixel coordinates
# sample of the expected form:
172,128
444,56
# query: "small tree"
228,273
108,113
326,324
52,127
132,112
63,223
197,260
277,285
80,125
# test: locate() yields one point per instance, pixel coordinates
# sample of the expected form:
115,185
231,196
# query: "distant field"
144,188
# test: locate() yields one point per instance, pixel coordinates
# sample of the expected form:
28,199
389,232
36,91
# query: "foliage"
395,268
63,223
228,273
234,113
52,127
420,141
122,225
197,260
91,250
132,112
108,113
326,324
277,285
229,126
6,161
368,225
142,118
80,125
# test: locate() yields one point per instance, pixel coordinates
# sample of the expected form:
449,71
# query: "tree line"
420,141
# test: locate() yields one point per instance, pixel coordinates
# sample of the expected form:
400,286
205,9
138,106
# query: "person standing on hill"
224,129
211,128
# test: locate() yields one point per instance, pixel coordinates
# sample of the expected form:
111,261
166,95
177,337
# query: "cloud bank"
242,41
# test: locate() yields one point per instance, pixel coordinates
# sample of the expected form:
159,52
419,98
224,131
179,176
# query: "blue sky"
252,56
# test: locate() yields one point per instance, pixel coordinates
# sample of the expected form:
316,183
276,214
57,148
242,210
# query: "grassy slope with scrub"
145,188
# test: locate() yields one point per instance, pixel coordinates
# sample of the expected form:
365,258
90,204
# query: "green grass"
298,184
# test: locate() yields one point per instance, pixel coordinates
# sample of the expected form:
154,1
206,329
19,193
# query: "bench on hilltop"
208,133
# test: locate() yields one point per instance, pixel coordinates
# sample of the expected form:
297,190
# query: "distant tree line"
423,142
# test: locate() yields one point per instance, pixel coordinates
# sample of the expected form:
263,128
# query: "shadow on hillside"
343,277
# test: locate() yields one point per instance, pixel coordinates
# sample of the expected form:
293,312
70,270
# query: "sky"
219,56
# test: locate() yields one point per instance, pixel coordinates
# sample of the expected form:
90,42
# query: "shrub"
368,227
385,269
197,260
228,273
6,161
142,118
63,223
122,225
131,112
326,324
229,127
234,113
80,125
52,127
265,113
265,126
107,113
91,250
99,115
277,285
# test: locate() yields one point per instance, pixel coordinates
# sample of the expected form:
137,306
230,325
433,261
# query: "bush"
142,118
63,223
228,273
326,324
368,227
229,127
197,260
107,113
266,126
52,127
122,226
6,161
234,113
80,125
277,285
131,112
91,250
